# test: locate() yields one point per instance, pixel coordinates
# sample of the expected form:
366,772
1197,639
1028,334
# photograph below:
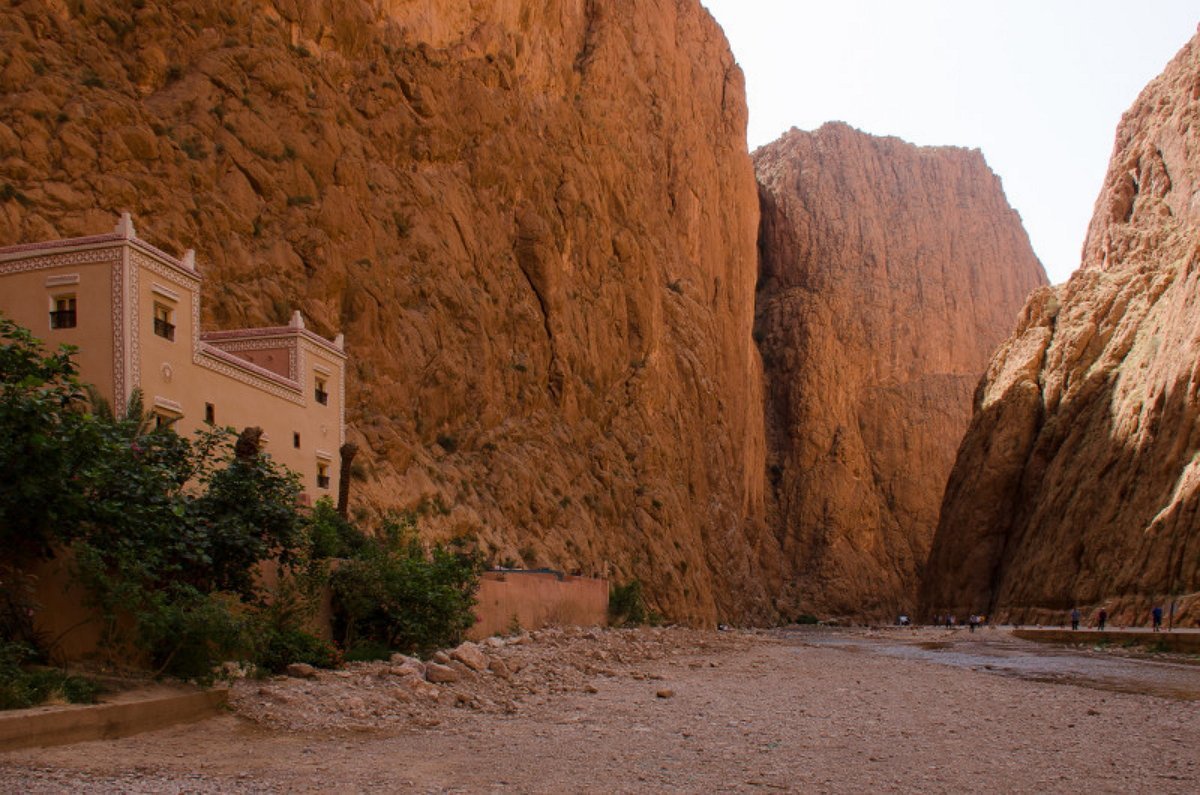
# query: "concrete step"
130,713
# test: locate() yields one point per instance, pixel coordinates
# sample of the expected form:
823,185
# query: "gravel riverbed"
661,710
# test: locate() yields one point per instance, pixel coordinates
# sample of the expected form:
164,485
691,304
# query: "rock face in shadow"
535,224
1077,482
889,273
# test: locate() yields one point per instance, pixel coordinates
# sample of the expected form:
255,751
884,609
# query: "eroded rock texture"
534,222
889,274
1078,480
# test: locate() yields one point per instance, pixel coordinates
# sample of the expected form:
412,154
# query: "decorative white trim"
117,314
169,272
272,344
62,280
324,455
167,404
239,370
323,370
87,257
164,292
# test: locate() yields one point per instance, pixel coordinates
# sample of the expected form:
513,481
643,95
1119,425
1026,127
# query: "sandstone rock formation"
889,273
535,224
1078,480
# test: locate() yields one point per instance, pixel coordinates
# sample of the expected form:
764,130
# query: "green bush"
627,604
368,651
395,594
189,633
281,647
331,535
21,687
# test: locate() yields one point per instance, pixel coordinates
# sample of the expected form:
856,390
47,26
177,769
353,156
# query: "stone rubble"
497,675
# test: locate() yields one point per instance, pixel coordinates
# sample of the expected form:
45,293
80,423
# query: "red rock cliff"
535,224
1077,483
889,273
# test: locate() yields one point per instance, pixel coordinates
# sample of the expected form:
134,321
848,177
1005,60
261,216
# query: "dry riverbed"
667,710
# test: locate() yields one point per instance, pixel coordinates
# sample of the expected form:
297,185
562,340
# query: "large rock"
889,273
534,222
1077,483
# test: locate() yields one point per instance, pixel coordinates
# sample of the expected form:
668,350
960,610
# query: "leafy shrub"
401,597
189,633
20,688
368,651
330,534
807,619
281,647
626,604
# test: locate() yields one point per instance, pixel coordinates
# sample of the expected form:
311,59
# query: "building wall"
29,284
117,281
537,599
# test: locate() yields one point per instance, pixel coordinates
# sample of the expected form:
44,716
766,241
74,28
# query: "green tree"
45,440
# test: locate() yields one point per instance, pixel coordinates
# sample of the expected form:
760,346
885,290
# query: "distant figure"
973,621
904,622
1156,614
1102,618
1075,616
951,621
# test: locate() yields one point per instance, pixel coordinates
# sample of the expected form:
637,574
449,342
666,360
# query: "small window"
210,413
163,327
322,475
296,440
164,422
320,393
63,314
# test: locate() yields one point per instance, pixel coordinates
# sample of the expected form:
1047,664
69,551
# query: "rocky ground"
657,710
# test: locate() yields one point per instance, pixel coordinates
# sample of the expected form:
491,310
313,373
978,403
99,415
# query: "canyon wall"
889,273
1078,482
534,222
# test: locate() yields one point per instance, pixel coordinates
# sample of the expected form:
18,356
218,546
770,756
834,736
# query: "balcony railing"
323,481
322,397
164,329
62,318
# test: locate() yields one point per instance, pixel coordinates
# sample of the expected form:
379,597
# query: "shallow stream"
997,651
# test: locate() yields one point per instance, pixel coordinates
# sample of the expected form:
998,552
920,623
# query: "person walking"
1156,614
1101,619
1075,616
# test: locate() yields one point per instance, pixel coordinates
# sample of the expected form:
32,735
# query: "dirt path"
744,713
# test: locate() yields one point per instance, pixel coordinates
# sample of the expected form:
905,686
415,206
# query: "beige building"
134,313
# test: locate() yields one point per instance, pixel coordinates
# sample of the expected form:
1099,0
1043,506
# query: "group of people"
1156,616
973,621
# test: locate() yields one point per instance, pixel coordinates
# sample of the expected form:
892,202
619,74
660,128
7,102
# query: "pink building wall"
535,599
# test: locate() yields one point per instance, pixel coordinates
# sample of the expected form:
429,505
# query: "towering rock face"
534,222
889,273
1077,483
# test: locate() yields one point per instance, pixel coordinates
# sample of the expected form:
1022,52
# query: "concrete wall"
537,599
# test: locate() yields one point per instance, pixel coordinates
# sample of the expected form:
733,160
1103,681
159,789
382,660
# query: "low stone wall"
43,726
534,599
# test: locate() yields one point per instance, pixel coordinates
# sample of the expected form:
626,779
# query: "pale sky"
1038,85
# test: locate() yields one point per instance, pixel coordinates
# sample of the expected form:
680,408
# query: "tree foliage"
169,534
44,438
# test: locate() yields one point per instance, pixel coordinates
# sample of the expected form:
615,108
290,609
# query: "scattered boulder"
470,655
301,671
499,668
441,674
